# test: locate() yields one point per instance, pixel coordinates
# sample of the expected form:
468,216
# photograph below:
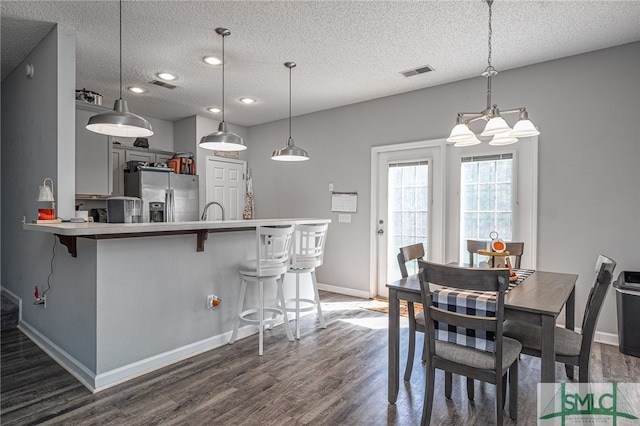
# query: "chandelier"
496,126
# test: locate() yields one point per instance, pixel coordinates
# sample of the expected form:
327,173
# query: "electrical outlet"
213,301
42,300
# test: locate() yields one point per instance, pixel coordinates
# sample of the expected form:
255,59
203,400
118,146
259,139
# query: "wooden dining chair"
573,348
515,249
416,322
453,357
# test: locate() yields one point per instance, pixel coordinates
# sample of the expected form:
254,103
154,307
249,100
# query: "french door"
409,204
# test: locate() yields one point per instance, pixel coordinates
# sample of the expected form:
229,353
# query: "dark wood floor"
336,376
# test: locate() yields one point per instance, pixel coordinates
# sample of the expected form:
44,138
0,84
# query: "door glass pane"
486,199
408,212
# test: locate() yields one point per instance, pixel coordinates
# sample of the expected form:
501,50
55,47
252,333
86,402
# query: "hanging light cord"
290,102
490,32
223,61
120,49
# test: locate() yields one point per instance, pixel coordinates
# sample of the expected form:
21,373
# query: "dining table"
538,299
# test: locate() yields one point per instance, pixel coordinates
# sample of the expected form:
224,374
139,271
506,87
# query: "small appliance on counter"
98,215
156,211
124,210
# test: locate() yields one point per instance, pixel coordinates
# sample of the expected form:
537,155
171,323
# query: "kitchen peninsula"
131,298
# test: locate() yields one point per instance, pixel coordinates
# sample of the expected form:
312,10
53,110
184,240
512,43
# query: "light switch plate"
330,186
344,218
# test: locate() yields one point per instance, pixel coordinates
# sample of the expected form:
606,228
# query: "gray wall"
587,108
38,141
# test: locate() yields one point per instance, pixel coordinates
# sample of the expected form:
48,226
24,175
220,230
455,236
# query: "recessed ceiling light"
214,110
212,60
167,76
136,89
247,100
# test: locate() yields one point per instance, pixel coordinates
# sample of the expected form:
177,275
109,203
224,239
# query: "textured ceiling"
346,51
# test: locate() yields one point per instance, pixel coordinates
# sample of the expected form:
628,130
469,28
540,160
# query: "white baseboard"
343,290
15,299
99,382
59,355
606,338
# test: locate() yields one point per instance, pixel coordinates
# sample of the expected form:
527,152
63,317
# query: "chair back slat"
463,320
273,248
308,245
604,275
515,249
407,254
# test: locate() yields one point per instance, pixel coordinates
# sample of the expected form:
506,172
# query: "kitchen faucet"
204,213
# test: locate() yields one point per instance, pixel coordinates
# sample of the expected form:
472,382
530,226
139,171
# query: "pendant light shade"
290,152
223,139
495,126
120,122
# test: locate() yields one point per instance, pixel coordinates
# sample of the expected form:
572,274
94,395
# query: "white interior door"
409,205
226,185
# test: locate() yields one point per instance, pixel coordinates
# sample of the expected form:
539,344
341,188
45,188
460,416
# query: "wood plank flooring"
336,376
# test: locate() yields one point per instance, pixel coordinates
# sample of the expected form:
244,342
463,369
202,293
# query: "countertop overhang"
69,232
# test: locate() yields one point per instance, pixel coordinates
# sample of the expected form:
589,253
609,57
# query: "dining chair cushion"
476,358
420,318
249,268
567,342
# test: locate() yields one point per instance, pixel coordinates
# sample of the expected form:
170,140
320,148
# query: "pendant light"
496,126
222,140
120,122
290,152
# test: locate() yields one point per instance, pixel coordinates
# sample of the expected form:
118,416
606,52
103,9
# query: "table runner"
470,302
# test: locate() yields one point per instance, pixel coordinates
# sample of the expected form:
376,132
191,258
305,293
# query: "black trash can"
628,301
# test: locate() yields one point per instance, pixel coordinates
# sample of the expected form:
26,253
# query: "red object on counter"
46,214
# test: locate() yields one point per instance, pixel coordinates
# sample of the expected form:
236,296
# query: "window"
408,212
486,198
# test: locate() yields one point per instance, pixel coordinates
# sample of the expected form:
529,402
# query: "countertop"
91,228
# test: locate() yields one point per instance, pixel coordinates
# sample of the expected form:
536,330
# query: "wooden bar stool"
307,255
270,264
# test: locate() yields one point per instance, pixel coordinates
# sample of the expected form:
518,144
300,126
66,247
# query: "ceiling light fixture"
136,89
290,152
248,101
496,126
167,76
212,60
120,122
222,140
214,110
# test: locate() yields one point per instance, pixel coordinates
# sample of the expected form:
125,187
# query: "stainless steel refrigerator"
172,197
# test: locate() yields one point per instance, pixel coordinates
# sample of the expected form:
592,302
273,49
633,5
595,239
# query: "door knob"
380,231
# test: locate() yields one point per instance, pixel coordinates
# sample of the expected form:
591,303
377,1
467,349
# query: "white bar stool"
307,254
270,264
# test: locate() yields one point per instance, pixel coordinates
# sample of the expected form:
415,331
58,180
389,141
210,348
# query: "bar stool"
307,254
270,264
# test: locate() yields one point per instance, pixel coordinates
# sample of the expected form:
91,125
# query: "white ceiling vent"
163,84
416,71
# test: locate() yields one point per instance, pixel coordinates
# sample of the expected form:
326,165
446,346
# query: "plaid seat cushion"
468,302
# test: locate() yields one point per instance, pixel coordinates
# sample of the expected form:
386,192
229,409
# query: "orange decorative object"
46,214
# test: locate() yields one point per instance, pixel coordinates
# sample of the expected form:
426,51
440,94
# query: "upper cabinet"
93,154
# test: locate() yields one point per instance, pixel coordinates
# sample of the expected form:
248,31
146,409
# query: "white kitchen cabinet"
93,155
139,156
118,171
122,154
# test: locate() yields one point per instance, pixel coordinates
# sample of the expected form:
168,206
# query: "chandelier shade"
496,126
223,139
